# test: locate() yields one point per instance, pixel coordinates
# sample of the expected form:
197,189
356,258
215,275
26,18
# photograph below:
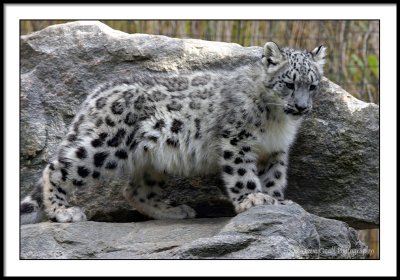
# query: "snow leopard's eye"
312,87
290,85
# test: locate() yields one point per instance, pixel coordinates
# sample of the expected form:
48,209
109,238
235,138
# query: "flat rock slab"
96,240
263,232
334,164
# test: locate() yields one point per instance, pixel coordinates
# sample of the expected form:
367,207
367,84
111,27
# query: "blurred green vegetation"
353,46
371,238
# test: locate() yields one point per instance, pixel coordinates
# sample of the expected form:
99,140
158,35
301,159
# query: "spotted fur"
192,124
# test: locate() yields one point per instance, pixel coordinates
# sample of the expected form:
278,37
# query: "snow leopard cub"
241,124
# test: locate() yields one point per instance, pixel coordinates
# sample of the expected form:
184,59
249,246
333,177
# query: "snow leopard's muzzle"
297,110
300,102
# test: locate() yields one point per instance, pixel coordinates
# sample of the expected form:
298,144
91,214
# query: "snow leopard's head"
294,76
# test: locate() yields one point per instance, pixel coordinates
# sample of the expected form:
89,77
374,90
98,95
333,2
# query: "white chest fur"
277,135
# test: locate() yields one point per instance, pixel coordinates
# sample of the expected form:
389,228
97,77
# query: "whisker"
277,104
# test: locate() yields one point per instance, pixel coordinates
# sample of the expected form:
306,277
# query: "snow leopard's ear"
272,55
318,54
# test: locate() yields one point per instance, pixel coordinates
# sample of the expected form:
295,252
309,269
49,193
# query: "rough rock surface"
334,168
263,232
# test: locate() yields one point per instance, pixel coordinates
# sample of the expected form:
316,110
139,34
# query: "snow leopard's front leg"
272,174
239,172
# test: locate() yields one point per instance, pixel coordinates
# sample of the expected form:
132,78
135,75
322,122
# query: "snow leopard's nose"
301,108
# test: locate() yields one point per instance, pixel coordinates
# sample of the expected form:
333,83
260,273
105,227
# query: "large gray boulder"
263,232
334,167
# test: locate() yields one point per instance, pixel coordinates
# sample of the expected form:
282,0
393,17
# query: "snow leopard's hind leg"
56,187
145,194
50,197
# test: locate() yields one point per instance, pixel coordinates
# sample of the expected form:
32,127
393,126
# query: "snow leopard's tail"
31,207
